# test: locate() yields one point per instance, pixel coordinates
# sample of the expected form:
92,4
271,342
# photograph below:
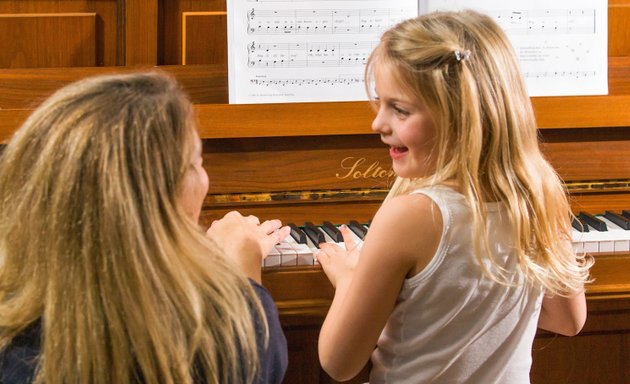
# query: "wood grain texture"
108,20
141,32
204,38
48,40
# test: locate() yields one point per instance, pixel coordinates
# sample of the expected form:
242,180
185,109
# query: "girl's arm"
563,315
402,239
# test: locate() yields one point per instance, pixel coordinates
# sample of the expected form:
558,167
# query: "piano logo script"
360,168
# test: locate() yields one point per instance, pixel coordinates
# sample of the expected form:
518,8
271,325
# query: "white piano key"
314,250
304,252
305,255
288,256
615,239
273,259
620,237
578,247
591,246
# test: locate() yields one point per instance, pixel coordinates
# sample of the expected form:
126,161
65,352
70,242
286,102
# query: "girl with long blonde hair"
471,250
105,276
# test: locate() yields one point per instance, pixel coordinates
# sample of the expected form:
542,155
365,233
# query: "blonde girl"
471,250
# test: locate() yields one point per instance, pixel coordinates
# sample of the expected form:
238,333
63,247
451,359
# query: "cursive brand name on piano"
360,168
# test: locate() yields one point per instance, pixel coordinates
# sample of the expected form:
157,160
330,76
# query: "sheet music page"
562,45
283,51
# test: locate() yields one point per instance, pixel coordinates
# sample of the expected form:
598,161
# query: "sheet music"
562,45
303,51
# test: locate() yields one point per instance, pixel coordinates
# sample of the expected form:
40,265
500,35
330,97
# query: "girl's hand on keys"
339,263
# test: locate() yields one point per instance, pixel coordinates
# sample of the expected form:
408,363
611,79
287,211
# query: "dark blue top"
275,359
19,360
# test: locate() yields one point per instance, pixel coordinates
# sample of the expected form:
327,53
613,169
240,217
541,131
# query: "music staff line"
557,21
571,74
307,82
321,21
302,55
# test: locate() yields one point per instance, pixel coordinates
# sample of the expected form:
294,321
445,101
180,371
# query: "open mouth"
399,150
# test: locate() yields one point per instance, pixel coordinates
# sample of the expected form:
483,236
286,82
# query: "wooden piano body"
319,161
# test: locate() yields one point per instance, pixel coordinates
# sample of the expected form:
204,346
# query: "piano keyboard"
603,233
300,247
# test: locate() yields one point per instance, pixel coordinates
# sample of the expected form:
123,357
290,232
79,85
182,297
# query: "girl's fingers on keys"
348,237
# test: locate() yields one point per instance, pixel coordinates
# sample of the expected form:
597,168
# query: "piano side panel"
600,354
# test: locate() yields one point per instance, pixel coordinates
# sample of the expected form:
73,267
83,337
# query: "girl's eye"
400,111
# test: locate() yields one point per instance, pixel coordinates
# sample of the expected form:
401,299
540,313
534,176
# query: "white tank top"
452,324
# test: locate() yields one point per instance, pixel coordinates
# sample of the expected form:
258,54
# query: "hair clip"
459,55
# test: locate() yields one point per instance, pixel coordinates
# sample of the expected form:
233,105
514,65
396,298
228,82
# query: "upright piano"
316,162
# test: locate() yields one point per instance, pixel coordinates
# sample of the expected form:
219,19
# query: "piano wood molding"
288,196
598,186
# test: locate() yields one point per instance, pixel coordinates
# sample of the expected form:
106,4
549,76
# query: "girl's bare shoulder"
409,226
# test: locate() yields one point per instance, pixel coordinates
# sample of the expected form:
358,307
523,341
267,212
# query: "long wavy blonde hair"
461,66
94,243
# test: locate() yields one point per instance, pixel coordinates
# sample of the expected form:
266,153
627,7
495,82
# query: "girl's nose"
379,124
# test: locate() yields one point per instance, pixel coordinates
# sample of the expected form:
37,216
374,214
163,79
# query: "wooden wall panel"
171,12
141,32
109,21
48,40
204,38
618,28
22,90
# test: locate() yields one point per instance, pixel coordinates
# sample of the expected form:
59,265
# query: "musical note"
546,21
558,74
316,54
304,82
300,21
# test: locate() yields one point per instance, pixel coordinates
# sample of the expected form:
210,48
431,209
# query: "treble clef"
250,18
250,51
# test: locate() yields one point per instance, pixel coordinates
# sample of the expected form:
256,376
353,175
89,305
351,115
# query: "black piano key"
625,214
593,221
623,222
357,228
332,231
579,225
297,233
313,233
